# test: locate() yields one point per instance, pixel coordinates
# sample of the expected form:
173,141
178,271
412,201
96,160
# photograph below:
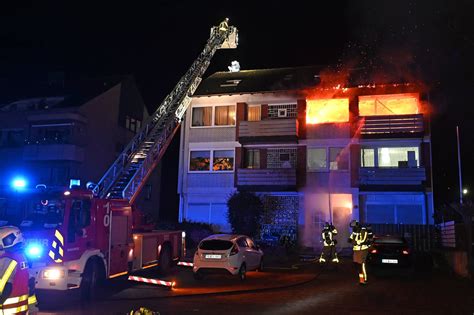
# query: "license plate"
389,261
210,256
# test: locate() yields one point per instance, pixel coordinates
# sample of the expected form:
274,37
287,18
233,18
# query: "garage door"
219,216
380,214
211,213
399,213
198,212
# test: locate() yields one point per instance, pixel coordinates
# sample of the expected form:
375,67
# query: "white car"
228,254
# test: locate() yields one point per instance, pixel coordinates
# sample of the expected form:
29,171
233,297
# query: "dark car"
390,252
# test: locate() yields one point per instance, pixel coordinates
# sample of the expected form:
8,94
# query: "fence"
421,237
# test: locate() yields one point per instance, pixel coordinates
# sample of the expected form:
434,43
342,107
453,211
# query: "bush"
245,212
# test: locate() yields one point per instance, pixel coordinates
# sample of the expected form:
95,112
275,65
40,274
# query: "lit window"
338,159
223,160
317,159
254,113
225,116
252,158
327,111
202,116
367,157
398,157
200,161
391,104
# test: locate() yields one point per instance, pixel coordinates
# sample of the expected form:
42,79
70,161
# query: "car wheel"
261,266
198,275
242,272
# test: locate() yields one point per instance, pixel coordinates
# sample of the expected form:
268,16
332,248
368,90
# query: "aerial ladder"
130,171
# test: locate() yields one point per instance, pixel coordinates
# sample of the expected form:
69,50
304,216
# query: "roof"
260,80
295,79
75,94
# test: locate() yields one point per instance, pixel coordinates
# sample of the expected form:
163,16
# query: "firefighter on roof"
224,26
329,244
361,239
16,290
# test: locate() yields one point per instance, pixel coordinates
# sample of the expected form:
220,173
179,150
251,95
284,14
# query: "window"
317,159
327,111
281,158
225,116
254,113
338,159
391,104
200,161
79,218
282,111
202,116
223,160
398,157
132,124
367,157
12,138
242,242
252,158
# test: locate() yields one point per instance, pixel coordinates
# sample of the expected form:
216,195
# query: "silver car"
228,254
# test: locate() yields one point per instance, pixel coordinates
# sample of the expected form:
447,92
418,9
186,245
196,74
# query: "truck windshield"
32,213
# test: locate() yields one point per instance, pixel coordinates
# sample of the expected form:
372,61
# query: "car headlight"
53,274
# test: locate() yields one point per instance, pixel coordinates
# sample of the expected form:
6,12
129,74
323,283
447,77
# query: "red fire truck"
78,237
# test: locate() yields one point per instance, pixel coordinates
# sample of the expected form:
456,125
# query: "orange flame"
333,110
389,104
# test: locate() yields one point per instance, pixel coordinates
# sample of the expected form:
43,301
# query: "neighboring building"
314,152
75,134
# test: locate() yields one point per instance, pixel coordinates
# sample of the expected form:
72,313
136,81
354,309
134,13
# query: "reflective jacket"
361,239
14,270
328,234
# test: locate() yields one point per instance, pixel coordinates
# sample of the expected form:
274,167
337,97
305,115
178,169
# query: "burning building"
315,149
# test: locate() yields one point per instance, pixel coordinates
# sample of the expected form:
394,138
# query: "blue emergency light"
74,182
19,183
34,251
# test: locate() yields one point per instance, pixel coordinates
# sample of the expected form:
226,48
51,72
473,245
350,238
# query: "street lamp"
465,191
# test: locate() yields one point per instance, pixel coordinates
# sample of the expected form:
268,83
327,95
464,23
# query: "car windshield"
215,245
32,212
389,240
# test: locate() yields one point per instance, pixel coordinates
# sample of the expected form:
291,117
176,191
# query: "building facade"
314,152
75,134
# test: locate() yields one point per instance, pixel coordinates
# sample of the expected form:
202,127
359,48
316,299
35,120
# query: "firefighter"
329,244
224,26
361,239
143,311
16,289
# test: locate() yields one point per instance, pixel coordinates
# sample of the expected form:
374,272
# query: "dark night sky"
427,41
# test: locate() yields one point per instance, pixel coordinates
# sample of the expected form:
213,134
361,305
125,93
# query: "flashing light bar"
19,183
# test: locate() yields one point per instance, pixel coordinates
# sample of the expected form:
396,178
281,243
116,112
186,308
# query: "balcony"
268,130
392,176
391,125
279,179
50,152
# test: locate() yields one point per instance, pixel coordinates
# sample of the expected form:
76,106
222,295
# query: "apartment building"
75,133
315,150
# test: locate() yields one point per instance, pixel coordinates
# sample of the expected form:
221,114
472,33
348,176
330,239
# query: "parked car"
228,254
390,251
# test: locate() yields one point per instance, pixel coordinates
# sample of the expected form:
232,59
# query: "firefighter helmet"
354,223
10,236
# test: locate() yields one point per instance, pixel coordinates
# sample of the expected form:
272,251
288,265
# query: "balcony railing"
392,176
50,152
272,177
393,124
283,128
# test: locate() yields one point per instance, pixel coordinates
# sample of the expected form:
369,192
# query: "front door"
341,220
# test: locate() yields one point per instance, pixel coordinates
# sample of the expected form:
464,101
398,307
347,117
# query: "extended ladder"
127,175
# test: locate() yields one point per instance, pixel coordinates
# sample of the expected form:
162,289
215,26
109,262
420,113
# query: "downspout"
181,169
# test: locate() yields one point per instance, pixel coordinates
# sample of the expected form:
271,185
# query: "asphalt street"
309,289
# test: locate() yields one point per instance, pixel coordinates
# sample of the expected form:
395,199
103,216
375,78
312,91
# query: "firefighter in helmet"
361,239
16,289
329,244
224,26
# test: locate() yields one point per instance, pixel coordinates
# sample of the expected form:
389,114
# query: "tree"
245,212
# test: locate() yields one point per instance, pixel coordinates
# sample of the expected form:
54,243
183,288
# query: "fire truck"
78,237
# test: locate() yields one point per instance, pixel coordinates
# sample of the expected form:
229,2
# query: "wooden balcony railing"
268,128
392,176
393,124
266,177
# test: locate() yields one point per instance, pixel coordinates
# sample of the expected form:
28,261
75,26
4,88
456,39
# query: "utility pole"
459,166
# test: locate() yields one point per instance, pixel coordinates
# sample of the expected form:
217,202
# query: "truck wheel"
164,262
91,281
